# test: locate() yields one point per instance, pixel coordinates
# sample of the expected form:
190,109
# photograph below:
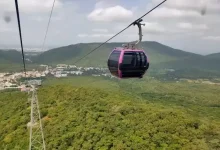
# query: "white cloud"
95,35
4,27
38,18
153,27
195,4
185,25
105,3
100,30
29,6
189,26
116,13
213,38
83,35
182,3
172,12
206,6
101,35
5,30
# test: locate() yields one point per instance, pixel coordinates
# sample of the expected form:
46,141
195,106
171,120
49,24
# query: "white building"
76,72
63,75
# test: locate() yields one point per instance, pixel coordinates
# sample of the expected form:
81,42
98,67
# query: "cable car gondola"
129,61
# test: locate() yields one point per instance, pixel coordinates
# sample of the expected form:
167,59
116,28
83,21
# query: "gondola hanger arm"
139,24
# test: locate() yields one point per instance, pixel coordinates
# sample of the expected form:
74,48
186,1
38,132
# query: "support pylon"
36,129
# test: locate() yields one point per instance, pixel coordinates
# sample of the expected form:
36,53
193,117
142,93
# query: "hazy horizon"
30,48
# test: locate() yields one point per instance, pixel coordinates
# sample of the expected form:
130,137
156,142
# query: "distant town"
16,80
21,81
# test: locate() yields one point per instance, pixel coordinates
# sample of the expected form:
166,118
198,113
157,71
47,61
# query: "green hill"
195,62
102,114
161,57
10,56
11,60
215,56
157,52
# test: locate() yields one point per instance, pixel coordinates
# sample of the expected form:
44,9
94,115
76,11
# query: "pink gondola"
129,61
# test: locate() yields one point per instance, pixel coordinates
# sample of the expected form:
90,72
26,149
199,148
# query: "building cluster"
13,80
63,70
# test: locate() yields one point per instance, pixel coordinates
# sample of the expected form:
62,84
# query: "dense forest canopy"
105,114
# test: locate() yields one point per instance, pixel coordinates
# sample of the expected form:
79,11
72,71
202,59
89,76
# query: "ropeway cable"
120,32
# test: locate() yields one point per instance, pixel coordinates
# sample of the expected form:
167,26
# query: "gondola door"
113,62
128,65
133,64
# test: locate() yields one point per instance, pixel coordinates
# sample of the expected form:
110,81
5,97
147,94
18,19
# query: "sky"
190,25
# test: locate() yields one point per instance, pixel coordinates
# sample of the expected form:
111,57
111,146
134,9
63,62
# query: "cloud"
185,25
5,28
38,18
116,13
29,6
106,3
172,12
190,26
195,4
95,35
153,28
100,30
101,35
202,7
83,35
213,38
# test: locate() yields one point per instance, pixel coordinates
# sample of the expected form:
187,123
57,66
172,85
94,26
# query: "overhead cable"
45,37
20,33
119,32
19,27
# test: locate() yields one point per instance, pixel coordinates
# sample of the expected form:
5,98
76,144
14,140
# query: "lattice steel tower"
36,129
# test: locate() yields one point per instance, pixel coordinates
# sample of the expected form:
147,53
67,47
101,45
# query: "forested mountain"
161,57
215,55
10,56
157,52
11,60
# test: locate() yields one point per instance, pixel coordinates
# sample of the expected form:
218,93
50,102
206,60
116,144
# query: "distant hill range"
10,56
157,52
161,57
215,56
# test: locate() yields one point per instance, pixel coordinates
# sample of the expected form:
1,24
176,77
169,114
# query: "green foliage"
104,114
95,119
17,67
187,73
14,118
